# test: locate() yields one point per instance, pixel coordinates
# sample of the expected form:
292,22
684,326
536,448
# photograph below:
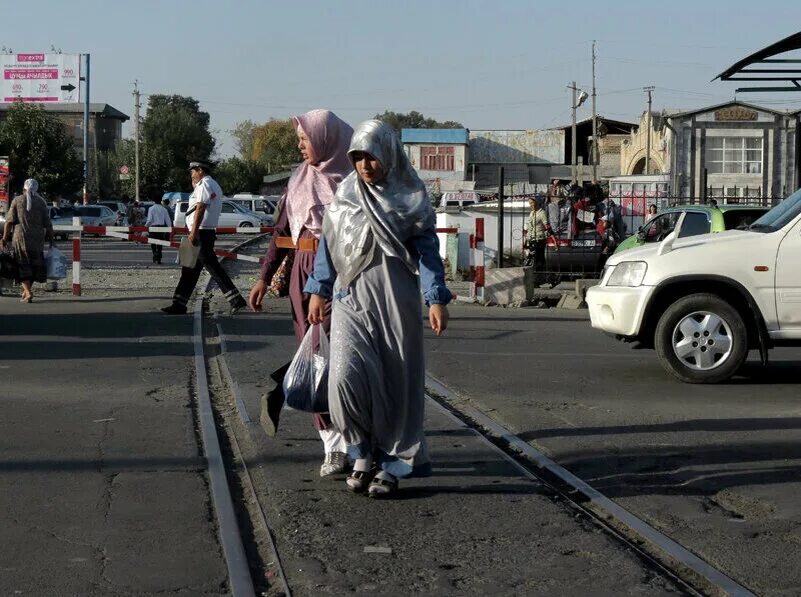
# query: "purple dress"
301,268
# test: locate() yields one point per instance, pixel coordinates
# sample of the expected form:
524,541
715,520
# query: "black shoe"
239,304
273,402
174,310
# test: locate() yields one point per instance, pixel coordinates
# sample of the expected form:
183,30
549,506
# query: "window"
228,208
734,155
658,228
694,223
437,158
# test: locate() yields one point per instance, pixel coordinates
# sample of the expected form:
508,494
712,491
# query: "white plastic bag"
306,380
56,264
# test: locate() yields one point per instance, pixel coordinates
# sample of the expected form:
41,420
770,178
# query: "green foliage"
174,132
39,146
415,120
275,144
236,175
243,137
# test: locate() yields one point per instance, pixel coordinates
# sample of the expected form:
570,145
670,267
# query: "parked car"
230,215
119,209
702,302
257,203
700,219
62,216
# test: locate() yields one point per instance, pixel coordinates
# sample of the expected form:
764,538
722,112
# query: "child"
378,232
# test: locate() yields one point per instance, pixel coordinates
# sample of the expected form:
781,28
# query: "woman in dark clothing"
29,218
323,140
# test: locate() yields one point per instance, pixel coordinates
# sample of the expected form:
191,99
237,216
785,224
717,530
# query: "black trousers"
206,259
538,248
158,250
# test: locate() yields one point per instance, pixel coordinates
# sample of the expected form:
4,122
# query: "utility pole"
648,90
86,132
137,105
578,99
595,152
500,216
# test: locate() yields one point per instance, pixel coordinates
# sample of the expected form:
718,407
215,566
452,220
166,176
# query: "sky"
502,64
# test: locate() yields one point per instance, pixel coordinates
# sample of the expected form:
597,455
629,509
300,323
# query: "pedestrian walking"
134,214
537,234
205,204
323,140
159,216
379,232
27,227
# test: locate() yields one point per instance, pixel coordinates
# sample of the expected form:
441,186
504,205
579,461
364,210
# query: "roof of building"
452,136
277,177
600,119
782,69
724,105
104,110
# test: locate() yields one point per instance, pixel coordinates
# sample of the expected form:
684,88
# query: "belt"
304,244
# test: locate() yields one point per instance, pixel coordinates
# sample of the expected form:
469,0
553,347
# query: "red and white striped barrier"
134,234
477,261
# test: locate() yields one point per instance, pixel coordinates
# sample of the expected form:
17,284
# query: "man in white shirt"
158,215
205,205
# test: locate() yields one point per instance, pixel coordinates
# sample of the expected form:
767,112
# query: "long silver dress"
376,240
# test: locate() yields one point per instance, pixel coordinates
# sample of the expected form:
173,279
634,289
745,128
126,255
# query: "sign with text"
4,180
41,78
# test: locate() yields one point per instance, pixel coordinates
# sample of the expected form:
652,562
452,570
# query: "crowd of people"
568,212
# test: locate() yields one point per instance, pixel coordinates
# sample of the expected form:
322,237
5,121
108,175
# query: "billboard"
3,183
45,78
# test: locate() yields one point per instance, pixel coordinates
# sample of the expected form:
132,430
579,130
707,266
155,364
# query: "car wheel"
701,339
245,225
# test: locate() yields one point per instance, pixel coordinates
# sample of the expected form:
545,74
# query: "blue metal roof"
452,136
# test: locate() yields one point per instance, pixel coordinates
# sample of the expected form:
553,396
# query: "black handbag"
8,266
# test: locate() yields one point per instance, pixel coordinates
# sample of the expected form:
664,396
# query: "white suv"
703,301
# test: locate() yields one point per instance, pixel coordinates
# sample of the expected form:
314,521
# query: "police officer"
205,204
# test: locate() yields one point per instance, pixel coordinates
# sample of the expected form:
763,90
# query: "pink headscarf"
312,187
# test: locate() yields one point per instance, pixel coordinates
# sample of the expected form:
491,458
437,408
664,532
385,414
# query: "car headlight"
628,273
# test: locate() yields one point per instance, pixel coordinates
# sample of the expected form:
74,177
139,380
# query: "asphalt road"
717,468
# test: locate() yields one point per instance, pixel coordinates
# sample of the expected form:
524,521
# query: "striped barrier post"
76,257
477,261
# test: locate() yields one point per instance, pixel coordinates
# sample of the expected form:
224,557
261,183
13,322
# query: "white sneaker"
334,464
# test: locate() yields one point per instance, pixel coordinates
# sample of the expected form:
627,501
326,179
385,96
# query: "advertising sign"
3,184
46,78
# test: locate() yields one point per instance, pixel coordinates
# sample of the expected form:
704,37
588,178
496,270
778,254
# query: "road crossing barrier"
136,234
477,261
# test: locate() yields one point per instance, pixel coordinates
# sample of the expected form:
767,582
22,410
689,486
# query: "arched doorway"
639,167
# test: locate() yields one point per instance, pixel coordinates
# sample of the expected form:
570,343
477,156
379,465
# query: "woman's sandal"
358,481
381,487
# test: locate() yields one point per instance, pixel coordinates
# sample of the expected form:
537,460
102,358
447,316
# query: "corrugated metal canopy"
780,69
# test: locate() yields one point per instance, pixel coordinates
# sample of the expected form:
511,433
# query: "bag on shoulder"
306,380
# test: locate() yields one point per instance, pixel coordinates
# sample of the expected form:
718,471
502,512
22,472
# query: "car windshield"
779,216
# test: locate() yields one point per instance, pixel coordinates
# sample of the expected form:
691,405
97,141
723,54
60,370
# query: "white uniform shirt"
158,215
209,193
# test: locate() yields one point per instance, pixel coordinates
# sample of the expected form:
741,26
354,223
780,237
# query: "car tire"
245,225
701,338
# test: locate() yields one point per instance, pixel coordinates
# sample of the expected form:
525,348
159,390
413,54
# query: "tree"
275,144
39,146
243,137
174,132
236,175
415,120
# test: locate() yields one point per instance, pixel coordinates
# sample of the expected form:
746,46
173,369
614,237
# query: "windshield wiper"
763,227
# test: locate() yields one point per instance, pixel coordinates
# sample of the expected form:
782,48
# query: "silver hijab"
364,217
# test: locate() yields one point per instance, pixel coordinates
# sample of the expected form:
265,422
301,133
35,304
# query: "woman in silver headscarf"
378,235
29,218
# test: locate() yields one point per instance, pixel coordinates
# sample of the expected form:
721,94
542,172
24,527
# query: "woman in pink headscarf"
323,140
